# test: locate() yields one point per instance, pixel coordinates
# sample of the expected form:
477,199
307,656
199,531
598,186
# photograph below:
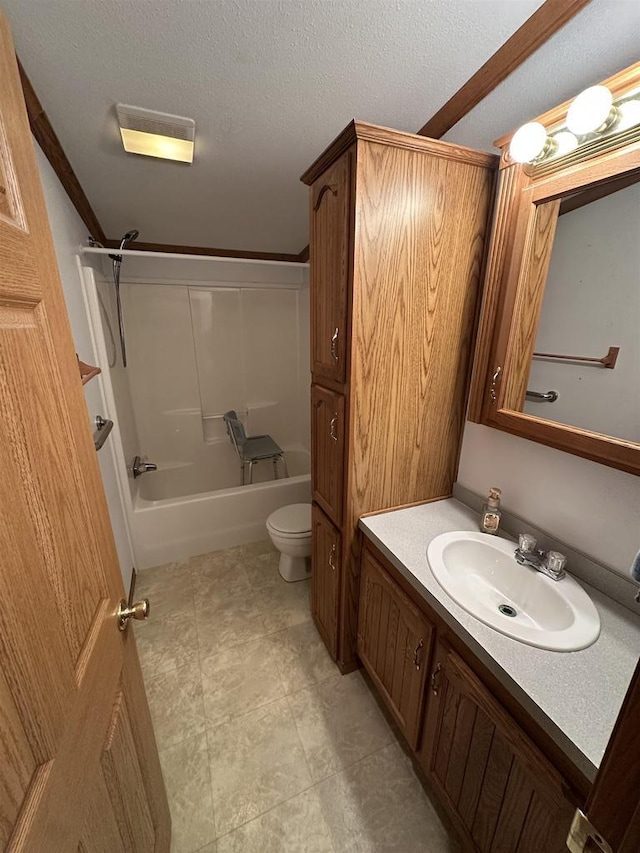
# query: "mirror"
585,369
561,305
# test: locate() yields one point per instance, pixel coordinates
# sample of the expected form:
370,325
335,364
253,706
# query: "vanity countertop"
574,696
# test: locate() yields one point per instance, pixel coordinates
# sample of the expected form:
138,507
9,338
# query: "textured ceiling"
269,84
601,40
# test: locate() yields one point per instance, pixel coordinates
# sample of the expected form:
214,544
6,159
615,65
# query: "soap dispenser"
491,512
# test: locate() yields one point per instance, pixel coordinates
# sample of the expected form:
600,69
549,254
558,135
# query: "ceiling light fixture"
155,134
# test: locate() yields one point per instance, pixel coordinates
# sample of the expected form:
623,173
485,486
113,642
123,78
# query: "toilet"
290,531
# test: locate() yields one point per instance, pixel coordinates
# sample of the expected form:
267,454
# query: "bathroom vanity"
509,736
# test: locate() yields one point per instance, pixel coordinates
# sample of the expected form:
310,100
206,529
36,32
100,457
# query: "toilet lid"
295,518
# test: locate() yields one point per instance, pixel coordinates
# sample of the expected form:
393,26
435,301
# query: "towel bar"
549,396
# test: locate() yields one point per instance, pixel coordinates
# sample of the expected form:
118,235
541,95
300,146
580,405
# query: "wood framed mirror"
558,350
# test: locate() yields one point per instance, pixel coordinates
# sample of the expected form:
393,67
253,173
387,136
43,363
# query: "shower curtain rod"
138,253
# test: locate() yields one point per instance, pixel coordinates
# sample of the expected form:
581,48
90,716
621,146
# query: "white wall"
69,233
203,337
592,302
164,383
594,508
248,359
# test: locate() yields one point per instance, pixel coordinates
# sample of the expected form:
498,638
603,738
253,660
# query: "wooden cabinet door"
329,258
394,644
327,450
325,579
507,798
79,764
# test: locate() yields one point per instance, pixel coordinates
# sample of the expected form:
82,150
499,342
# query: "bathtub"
169,525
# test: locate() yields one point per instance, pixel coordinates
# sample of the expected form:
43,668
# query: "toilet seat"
291,521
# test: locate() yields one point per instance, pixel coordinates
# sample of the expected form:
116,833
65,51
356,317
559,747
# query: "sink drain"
507,610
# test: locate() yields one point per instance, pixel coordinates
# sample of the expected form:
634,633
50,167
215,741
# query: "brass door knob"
139,610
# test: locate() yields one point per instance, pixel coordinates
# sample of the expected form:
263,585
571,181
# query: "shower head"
129,237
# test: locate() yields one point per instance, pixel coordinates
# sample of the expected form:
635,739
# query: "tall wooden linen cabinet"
398,227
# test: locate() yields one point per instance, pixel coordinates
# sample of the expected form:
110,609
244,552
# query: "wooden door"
394,644
325,579
80,770
330,267
506,796
327,450
610,820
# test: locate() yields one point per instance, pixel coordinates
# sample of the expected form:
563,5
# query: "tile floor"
265,747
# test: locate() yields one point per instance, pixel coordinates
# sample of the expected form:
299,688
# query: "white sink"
481,574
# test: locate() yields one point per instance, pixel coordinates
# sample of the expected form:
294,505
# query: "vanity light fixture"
591,114
156,134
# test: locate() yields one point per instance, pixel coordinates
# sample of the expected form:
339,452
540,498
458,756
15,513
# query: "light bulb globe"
528,142
629,115
565,143
589,110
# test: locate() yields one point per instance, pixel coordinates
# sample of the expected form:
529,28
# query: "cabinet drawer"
505,796
330,250
394,644
326,562
327,450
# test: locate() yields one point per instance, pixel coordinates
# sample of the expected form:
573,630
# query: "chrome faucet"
140,467
550,563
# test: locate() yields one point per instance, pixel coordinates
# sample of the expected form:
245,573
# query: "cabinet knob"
334,345
333,424
332,565
435,680
416,654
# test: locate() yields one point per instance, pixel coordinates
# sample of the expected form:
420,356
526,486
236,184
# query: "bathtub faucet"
140,467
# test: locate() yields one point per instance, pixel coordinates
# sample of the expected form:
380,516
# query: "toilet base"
294,568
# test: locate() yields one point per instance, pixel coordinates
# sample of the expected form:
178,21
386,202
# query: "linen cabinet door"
325,579
394,642
329,259
327,450
505,796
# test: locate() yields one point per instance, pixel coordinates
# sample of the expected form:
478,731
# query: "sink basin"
481,574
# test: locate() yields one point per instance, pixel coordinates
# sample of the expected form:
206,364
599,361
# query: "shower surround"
204,336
